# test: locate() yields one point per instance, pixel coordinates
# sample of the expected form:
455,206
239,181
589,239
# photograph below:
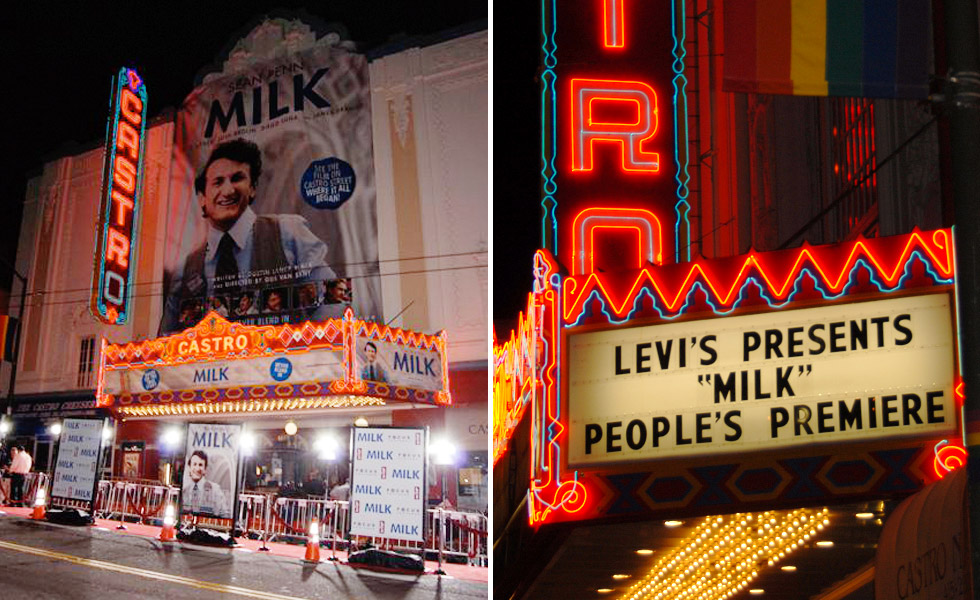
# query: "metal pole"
441,539
333,529
963,110
266,523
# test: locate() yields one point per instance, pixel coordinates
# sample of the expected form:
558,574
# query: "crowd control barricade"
461,536
254,515
136,501
465,534
289,518
32,483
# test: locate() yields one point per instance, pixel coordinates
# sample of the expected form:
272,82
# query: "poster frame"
98,463
425,473
234,478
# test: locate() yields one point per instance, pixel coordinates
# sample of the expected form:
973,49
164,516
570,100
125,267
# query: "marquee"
818,373
219,366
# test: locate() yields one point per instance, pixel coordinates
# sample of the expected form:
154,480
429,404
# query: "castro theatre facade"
372,312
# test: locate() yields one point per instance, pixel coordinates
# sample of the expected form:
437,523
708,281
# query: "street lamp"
443,454
170,440
248,443
247,448
325,446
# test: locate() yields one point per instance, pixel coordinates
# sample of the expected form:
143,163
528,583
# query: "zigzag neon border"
672,289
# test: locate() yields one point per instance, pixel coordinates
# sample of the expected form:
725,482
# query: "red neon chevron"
776,271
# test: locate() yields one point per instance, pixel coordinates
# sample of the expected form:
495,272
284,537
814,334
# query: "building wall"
430,132
430,137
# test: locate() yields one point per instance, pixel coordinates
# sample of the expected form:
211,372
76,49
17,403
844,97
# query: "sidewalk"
297,551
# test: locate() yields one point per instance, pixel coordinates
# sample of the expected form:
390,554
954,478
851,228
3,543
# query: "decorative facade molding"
275,39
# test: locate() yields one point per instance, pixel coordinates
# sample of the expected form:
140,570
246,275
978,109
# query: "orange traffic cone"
313,543
167,533
39,501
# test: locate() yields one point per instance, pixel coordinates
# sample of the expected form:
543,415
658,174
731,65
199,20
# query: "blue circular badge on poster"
328,183
151,379
281,369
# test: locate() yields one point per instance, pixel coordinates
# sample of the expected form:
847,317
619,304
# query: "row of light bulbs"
247,406
723,554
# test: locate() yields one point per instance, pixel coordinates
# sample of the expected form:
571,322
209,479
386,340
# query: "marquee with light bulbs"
243,369
532,372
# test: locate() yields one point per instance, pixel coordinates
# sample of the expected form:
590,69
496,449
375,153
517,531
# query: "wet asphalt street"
46,561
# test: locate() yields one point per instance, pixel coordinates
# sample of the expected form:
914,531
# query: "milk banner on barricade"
77,468
210,482
387,489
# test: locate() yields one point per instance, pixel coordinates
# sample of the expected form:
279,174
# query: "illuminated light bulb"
788,568
825,543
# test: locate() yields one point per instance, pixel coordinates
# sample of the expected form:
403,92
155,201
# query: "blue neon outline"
548,171
549,205
122,81
549,99
683,207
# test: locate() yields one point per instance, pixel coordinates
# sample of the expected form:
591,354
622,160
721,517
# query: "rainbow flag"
8,329
867,48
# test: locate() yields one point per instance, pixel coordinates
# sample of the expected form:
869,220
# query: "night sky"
58,60
516,157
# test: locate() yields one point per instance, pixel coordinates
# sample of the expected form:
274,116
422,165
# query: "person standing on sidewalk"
20,465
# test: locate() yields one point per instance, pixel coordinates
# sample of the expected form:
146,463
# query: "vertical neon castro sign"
122,178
